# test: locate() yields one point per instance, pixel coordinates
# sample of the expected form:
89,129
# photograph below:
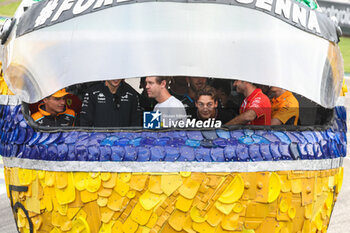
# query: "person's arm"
87,111
276,121
243,118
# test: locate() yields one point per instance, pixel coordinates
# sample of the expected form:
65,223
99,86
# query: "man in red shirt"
255,108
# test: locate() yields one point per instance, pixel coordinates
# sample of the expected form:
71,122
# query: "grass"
9,9
345,50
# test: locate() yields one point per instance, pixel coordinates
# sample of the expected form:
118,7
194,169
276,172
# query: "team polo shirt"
285,107
260,104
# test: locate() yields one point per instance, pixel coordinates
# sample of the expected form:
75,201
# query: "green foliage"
345,50
8,9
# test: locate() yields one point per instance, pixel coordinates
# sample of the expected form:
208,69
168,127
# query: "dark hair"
265,89
142,82
223,85
159,80
208,90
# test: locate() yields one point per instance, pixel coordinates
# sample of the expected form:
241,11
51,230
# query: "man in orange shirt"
256,107
285,107
54,112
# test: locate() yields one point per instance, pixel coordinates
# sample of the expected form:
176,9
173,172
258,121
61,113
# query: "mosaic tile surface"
291,201
18,139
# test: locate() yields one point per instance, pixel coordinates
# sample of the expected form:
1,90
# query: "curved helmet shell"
282,44
242,180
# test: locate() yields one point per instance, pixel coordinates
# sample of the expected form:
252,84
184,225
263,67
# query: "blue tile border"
18,139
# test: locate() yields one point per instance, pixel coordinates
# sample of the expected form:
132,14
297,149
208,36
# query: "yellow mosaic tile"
4,90
188,202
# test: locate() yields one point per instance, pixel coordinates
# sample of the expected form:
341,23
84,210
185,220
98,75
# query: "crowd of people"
114,103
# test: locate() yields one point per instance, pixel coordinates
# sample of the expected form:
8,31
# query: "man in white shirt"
171,108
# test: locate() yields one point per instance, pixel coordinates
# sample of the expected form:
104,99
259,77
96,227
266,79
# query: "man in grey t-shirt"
171,108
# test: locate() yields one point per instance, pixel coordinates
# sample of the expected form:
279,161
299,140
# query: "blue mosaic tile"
217,154
254,153
118,153
230,153
186,154
18,139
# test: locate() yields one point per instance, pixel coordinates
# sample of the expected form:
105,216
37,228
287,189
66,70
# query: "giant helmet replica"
238,179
